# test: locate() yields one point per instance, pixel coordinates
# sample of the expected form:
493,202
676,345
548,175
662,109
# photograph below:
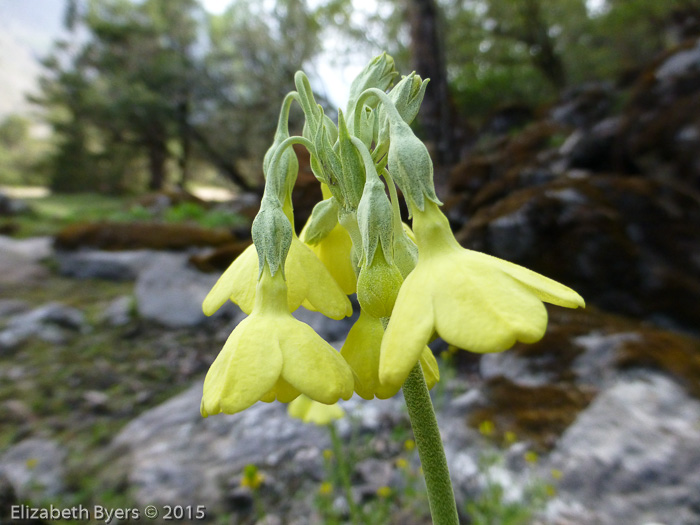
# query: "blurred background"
566,138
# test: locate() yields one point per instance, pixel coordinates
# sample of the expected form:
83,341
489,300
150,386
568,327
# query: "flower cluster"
412,282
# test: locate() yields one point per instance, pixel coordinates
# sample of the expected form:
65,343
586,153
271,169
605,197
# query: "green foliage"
155,90
494,506
404,502
51,213
20,153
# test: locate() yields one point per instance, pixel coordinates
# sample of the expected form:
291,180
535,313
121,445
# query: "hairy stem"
443,508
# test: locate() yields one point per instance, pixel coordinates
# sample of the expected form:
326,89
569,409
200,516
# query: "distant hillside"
27,30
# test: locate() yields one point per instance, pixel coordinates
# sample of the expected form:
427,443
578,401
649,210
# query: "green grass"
51,213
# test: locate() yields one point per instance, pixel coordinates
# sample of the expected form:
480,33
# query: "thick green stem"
443,508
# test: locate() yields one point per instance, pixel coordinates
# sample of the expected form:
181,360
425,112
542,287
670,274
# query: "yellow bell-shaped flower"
308,282
334,252
472,300
310,411
271,355
361,351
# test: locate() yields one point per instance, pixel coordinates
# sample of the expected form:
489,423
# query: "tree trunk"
157,156
428,57
185,141
544,55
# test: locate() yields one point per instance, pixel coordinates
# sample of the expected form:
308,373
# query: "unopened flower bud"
379,73
272,236
410,165
375,219
324,218
407,97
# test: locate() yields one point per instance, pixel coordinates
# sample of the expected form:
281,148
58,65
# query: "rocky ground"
102,353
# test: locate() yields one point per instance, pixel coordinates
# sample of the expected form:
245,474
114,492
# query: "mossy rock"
541,410
539,414
220,258
627,244
140,235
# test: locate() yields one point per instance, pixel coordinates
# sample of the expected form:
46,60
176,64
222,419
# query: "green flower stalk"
411,281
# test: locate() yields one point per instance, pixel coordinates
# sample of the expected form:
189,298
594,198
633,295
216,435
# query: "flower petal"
282,392
546,289
244,370
309,279
334,252
236,283
409,329
361,351
310,411
311,365
429,364
481,309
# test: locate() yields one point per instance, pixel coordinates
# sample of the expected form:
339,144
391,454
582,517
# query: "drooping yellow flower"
334,252
472,300
271,355
308,282
361,351
310,411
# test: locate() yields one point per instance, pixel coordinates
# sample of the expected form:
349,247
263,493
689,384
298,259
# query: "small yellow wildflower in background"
252,477
325,488
487,428
531,457
409,444
402,463
384,492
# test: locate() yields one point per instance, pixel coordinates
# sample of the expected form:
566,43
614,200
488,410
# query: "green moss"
539,414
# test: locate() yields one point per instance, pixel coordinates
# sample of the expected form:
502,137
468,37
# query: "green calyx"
272,235
324,218
410,165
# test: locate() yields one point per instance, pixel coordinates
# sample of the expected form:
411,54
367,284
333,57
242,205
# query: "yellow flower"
472,300
334,252
310,411
361,351
531,456
252,477
272,355
402,463
309,283
325,488
384,492
487,428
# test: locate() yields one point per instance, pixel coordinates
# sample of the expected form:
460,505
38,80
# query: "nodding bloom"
472,300
271,355
361,351
309,283
310,411
334,252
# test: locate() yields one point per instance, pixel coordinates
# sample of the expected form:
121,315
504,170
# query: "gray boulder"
53,322
98,264
170,292
632,457
171,454
34,468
